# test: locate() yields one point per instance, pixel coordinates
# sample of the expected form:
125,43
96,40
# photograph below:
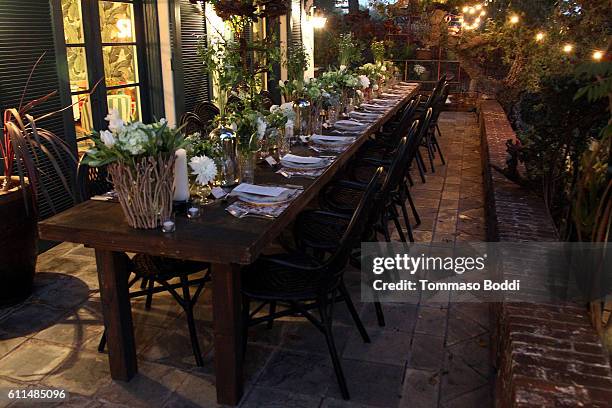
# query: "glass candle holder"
194,211
168,224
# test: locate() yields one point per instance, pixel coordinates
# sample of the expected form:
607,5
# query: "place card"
218,192
259,190
271,161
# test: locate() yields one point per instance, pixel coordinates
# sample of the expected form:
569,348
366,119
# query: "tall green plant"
348,50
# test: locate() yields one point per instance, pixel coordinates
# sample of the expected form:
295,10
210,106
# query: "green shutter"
191,83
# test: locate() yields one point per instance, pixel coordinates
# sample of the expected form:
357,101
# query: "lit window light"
598,55
567,48
514,19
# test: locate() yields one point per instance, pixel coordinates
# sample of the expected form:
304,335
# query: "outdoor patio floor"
428,355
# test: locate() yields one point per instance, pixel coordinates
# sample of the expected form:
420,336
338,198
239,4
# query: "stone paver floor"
428,355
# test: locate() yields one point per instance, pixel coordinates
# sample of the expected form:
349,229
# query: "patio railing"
433,70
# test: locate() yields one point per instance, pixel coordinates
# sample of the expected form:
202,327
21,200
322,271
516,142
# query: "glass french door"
104,53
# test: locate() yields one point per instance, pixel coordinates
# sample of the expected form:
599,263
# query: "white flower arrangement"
364,81
204,168
419,69
124,141
287,109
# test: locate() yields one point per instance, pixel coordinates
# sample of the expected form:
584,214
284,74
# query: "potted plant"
24,147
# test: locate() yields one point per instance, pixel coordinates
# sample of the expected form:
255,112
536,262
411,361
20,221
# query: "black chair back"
92,181
207,112
352,236
407,116
439,105
424,127
190,123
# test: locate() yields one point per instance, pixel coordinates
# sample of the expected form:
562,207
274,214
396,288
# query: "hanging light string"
473,16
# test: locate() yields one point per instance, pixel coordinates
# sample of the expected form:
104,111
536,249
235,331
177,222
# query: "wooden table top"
216,236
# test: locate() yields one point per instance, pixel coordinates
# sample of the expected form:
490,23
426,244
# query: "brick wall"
546,355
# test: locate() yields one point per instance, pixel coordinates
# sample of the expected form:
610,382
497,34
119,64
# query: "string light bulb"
540,36
598,55
514,19
465,9
567,48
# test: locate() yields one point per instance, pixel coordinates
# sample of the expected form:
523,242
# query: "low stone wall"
546,355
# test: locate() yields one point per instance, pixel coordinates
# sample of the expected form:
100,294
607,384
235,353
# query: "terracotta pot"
18,251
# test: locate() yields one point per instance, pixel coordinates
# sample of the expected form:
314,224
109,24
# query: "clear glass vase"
248,162
228,163
302,110
283,144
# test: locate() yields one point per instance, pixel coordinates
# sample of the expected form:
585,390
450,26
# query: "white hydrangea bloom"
134,137
365,81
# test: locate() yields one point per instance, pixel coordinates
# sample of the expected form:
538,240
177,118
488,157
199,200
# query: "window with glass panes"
102,48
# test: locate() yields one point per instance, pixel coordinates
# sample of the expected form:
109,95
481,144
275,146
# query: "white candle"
181,179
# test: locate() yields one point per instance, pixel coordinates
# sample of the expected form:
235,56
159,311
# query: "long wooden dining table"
226,242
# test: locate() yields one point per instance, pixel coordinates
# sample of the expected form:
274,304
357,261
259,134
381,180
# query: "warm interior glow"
598,55
567,48
318,22
514,19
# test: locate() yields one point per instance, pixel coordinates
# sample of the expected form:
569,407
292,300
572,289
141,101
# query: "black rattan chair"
207,112
300,283
190,123
154,273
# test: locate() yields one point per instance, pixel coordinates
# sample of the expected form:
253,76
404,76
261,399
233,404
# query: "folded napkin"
304,173
364,115
240,209
259,190
292,158
331,138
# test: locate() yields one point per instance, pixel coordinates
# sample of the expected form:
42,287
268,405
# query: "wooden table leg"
227,304
116,307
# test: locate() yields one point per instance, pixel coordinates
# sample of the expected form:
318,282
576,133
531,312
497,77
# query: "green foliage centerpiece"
140,160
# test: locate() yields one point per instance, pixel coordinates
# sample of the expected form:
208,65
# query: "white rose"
375,87
115,123
274,108
107,138
342,67
261,128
